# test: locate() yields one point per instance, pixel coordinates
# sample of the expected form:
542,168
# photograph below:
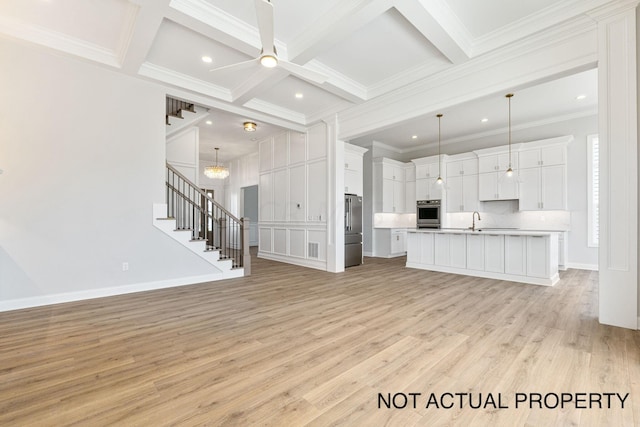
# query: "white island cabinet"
514,255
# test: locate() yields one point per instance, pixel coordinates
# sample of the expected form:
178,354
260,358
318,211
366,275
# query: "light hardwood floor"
292,346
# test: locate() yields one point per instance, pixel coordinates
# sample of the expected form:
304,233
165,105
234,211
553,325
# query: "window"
593,183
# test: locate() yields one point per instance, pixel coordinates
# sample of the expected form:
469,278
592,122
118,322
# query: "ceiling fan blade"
303,73
264,13
237,66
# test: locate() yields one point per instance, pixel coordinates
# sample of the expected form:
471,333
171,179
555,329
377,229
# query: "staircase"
175,118
203,226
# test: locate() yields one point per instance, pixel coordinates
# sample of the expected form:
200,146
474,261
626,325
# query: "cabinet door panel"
454,194
529,159
515,255
475,252
487,186
455,168
487,164
414,248
427,253
470,193
387,195
422,189
398,196
410,197
470,166
552,187
441,249
530,189
550,156
507,186
494,253
458,247
537,256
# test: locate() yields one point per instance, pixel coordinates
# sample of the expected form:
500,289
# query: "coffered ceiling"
365,48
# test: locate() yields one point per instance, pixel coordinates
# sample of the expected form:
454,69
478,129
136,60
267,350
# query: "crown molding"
276,110
611,9
330,110
128,29
58,41
350,89
174,78
404,78
217,18
546,18
502,131
447,18
550,53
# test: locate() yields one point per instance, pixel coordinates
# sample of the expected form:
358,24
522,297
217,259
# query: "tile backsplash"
505,214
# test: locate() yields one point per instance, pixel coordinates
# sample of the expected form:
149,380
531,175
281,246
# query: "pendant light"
509,171
439,180
216,172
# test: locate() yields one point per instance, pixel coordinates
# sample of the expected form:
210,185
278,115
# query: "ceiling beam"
146,26
426,18
336,25
211,22
263,79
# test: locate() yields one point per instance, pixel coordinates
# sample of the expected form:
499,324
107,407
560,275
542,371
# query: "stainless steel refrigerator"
352,230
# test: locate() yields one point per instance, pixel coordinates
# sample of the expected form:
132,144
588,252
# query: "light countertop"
481,231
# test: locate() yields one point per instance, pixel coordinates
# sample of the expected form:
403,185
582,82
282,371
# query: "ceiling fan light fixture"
250,126
269,61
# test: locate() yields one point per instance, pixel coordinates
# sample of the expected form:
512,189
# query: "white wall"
217,185
243,172
83,154
293,197
183,152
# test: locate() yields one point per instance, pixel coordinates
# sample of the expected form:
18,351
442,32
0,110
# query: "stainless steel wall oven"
428,213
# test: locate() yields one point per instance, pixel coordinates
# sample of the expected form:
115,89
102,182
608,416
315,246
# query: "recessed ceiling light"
581,97
414,137
207,59
485,120
299,95
209,122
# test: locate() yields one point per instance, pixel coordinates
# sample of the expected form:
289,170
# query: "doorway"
250,211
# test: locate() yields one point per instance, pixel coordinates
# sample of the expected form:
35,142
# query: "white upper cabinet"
389,186
462,167
428,170
543,182
545,156
353,168
497,162
428,189
497,186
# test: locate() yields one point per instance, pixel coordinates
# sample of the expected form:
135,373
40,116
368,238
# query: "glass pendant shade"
216,172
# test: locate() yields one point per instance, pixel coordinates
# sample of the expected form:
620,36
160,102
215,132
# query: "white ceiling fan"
268,56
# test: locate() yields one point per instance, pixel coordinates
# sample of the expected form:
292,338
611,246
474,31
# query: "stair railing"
207,220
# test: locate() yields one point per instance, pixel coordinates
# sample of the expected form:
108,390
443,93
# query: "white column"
335,197
618,121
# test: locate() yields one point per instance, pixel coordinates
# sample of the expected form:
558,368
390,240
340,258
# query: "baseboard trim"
39,301
318,265
579,266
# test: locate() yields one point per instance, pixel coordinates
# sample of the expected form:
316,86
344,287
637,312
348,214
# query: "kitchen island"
515,255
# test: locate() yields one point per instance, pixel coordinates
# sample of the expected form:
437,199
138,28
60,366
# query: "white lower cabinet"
458,248
476,252
442,245
537,256
389,242
420,248
494,253
515,255
531,257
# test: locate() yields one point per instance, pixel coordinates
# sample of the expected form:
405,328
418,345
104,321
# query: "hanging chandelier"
216,172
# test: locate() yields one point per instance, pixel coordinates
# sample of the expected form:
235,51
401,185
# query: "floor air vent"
313,250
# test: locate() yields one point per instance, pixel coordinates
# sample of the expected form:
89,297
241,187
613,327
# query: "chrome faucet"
473,219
